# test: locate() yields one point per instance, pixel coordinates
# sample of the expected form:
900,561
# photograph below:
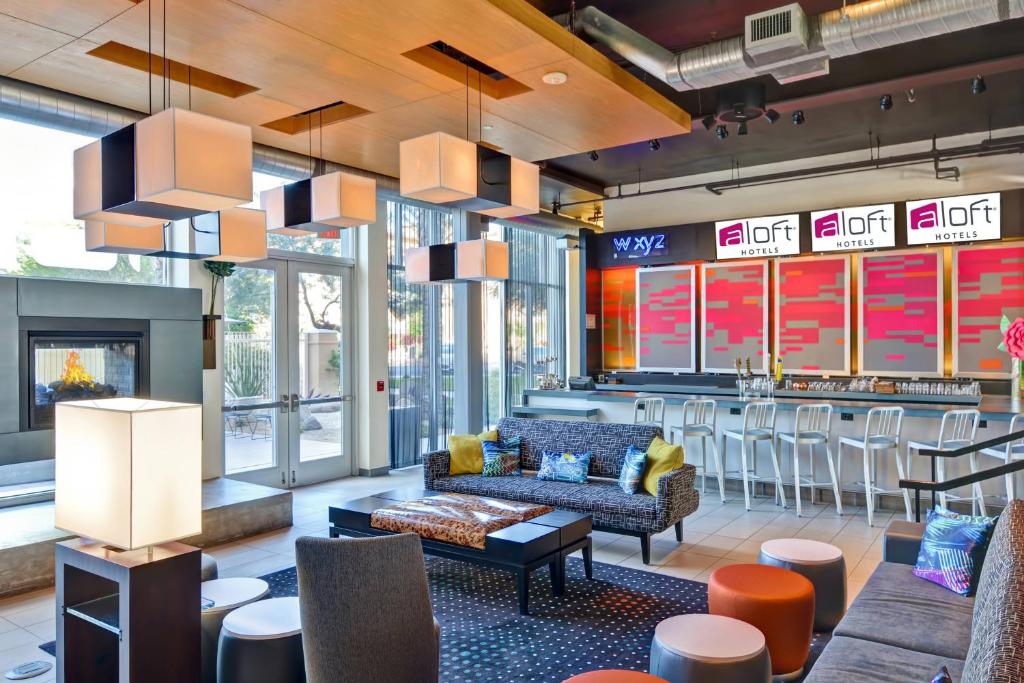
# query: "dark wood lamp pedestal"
127,616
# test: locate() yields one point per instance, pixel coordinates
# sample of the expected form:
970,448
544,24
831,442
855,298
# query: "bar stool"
881,433
649,411
1014,450
958,429
758,425
813,427
699,422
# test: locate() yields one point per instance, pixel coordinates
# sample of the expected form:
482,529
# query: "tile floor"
716,535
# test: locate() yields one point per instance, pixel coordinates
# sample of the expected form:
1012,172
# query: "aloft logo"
861,227
765,236
954,219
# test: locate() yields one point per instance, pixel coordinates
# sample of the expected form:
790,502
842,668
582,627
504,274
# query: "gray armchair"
366,615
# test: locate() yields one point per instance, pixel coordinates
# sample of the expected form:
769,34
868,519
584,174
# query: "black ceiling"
841,108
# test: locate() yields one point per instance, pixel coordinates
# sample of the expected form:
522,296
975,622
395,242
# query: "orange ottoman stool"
614,676
779,602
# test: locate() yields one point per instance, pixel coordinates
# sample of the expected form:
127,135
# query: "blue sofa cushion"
568,467
852,660
952,549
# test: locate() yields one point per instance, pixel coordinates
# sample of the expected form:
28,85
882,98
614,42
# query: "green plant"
334,361
245,374
218,271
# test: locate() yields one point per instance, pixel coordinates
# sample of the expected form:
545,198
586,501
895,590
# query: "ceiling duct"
786,43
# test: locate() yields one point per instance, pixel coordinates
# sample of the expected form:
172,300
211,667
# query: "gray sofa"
611,508
902,628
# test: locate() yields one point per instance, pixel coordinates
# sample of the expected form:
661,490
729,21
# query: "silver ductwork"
856,28
552,224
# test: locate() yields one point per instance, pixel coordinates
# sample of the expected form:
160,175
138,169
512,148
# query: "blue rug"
604,623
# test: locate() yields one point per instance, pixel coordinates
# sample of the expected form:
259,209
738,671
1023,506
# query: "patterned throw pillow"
942,676
632,469
570,467
501,458
952,549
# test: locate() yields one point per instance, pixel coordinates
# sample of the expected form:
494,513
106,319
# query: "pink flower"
1014,338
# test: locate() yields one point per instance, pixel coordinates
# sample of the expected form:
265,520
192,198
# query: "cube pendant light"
243,235
523,195
506,186
90,189
289,209
432,265
197,237
343,200
481,260
438,168
123,239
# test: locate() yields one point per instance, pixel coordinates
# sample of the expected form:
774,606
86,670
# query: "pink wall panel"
989,282
735,312
812,314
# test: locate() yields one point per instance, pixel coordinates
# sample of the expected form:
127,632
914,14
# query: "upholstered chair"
366,615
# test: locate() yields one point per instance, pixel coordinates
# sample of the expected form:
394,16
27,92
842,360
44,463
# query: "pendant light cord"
149,51
167,81
467,99
479,109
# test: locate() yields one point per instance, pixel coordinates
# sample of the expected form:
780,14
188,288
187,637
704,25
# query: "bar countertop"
996,408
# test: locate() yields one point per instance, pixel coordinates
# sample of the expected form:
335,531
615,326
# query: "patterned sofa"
902,628
612,509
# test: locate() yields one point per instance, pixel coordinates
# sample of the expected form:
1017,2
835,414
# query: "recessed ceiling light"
555,77
488,126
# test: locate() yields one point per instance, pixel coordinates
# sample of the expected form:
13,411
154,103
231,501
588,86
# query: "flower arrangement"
1013,343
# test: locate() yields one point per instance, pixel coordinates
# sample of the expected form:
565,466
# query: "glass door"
287,411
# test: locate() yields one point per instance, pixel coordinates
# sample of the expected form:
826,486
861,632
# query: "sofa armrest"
677,497
902,542
436,464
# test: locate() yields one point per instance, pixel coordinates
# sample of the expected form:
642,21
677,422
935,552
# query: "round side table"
614,676
822,564
692,648
262,643
226,595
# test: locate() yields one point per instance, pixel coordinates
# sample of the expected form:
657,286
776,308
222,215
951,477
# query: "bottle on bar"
778,370
750,373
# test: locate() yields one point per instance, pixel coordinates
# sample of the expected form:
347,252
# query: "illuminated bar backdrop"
734,320
666,318
812,314
988,282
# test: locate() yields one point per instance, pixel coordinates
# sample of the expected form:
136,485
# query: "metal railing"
936,487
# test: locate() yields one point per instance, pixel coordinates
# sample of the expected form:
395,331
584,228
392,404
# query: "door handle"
284,404
295,403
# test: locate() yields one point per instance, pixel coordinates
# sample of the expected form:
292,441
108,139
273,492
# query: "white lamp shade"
344,200
129,471
88,193
430,265
272,203
525,191
123,239
243,236
437,168
481,260
191,160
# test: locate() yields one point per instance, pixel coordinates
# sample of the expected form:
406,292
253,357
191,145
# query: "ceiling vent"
778,42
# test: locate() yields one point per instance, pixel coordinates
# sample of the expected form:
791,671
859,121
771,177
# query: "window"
38,235
421,353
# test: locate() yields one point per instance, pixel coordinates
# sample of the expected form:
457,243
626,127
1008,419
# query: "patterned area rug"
605,623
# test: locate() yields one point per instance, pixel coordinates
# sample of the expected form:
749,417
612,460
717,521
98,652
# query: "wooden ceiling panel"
22,42
73,18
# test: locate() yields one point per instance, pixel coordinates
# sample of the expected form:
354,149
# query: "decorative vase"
210,342
1015,369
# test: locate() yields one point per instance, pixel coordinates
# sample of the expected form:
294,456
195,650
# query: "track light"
593,155
978,85
798,117
885,102
911,96
708,121
721,132
771,115
654,144
742,128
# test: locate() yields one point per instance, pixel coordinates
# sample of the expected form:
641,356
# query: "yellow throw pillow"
662,457
467,455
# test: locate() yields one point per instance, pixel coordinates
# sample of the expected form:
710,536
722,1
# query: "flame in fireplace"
74,372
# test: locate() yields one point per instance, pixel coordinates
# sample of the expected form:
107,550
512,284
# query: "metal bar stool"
958,429
812,427
881,433
699,422
1013,450
649,411
758,425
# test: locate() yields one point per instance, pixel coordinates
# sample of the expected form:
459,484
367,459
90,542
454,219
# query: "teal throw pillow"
569,467
501,458
632,469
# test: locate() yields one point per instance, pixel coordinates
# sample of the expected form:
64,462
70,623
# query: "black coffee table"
519,548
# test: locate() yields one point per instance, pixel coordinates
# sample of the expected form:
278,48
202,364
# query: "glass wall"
38,234
421,353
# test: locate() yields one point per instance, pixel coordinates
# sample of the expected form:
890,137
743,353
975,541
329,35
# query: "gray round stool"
822,564
208,568
694,648
262,643
219,598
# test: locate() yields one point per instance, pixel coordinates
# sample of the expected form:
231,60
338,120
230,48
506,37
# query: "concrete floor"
716,535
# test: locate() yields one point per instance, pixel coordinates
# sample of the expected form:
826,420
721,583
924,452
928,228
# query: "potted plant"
218,271
1013,343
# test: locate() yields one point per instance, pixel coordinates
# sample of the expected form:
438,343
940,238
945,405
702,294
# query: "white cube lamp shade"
123,239
88,193
437,168
128,471
430,265
193,161
343,200
481,260
524,193
243,236
280,208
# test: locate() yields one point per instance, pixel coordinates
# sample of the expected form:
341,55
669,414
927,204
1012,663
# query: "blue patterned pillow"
570,467
632,469
952,549
501,458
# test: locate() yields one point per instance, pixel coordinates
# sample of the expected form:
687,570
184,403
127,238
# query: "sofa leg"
645,548
679,531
